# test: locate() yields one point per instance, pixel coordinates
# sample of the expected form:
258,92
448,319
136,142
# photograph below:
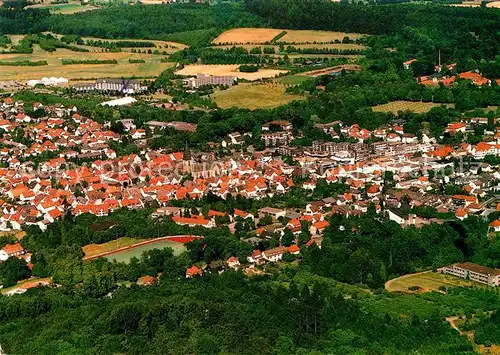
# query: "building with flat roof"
111,85
204,80
474,272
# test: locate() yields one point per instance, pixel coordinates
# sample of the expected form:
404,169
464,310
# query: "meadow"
254,96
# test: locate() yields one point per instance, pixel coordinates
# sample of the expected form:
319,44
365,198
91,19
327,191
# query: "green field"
126,255
254,96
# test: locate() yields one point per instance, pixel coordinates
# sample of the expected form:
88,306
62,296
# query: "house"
256,257
193,222
192,271
495,225
274,254
11,250
408,63
474,272
294,249
146,280
318,227
233,262
273,212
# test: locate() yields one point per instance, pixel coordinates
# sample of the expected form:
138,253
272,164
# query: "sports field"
151,68
263,35
254,96
228,69
417,107
126,255
426,281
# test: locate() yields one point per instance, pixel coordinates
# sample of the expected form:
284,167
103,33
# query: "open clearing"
228,69
417,107
95,249
427,281
151,68
126,255
253,96
64,9
263,35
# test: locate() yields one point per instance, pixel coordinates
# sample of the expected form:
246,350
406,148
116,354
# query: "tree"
13,270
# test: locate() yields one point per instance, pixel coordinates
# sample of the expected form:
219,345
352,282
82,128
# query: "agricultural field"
228,69
417,107
64,8
306,36
247,35
494,4
151,68
425,281
96,249
264,35
126,255
254,96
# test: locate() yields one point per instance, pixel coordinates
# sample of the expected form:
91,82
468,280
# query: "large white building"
475,272
204,79
118,85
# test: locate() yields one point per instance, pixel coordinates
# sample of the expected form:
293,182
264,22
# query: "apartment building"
125,86
474,272
204,79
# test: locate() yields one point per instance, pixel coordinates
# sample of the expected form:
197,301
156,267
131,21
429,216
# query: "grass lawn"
151,68
126,255
292,79
427,281
94,249
254,96
417,107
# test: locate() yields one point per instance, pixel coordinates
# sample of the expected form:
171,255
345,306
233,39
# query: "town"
249,177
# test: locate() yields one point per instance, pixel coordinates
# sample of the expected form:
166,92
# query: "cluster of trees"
25,63
141,21
228,313
88,61
120,44
234,55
